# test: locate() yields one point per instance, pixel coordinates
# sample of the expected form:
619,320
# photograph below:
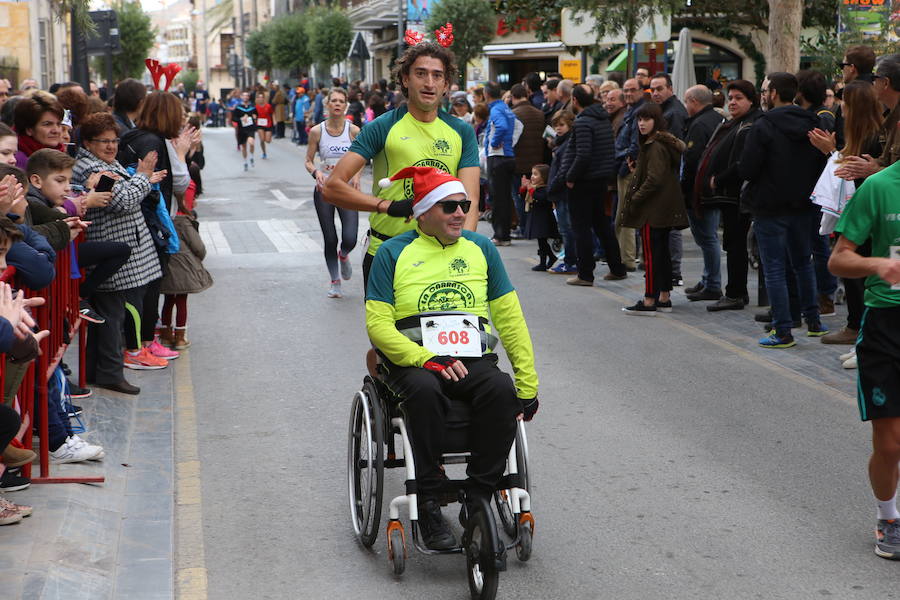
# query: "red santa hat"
430,186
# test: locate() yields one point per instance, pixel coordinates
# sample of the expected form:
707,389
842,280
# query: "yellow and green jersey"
396,140
415,273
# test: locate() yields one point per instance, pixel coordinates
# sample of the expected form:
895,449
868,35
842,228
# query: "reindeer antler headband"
442,35
157,71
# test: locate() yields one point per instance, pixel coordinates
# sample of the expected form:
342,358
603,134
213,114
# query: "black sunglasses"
843,64
450,206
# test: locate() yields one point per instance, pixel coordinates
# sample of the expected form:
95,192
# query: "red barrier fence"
60,315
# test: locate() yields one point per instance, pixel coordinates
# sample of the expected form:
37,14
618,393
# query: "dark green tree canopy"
258,47
289,43
474,23
330,37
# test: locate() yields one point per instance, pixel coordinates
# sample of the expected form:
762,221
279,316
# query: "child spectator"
9,144
50,173
559,194
654,205
186,274
542,224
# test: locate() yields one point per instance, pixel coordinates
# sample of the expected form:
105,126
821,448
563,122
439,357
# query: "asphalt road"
666,461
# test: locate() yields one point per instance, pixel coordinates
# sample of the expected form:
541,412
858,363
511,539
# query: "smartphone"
105,184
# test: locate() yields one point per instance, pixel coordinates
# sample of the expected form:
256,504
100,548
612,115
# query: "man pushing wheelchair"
432,296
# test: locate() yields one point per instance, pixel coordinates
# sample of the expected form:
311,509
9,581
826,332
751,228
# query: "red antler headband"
443,36
157,71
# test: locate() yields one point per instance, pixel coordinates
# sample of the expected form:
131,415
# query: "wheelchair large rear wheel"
501,498
365,464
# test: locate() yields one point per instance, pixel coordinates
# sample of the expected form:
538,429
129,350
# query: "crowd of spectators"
110,179
630,165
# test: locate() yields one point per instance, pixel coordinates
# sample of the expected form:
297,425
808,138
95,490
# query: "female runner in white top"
331,139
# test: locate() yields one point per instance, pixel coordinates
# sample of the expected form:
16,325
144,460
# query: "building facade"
34,44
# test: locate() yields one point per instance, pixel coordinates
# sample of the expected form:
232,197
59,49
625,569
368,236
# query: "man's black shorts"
244,133
878,355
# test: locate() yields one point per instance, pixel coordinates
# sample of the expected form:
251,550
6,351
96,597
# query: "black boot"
436,534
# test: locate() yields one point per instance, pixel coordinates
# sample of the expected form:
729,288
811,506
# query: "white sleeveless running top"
332,148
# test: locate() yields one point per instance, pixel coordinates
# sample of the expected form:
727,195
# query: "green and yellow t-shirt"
415,273
874,211
396,140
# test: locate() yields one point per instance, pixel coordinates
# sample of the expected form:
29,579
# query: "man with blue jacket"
501,161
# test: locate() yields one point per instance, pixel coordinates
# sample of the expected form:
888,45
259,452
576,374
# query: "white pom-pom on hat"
385,183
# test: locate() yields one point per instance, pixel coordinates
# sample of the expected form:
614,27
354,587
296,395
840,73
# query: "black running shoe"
640,309
435,531
73,410
12,480
89,314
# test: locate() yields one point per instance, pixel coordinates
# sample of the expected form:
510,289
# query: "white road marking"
285,236
283,201
214,238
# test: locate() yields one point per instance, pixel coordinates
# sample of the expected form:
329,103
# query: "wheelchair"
376,425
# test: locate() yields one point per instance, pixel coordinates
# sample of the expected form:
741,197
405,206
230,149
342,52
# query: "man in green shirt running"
874,212
418,134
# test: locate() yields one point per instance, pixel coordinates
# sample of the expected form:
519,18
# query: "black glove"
439,363
400,208
529,408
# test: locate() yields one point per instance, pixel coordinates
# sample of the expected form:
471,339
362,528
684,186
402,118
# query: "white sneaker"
335,290
74,450
848,355
346,267
100,451
850,363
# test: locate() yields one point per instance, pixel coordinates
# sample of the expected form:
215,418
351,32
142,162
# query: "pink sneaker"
160,351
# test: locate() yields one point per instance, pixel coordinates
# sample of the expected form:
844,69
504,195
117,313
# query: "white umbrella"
683,76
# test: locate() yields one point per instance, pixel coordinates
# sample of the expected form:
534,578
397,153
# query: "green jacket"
414,273
654,196
47,221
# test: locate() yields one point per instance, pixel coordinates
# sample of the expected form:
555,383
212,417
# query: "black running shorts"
245,133
878,355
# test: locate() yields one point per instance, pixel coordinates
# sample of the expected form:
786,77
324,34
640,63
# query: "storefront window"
711,62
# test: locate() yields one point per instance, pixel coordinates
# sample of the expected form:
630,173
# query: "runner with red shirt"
264,123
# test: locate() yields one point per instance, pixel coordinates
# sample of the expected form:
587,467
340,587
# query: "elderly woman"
38,122
120,221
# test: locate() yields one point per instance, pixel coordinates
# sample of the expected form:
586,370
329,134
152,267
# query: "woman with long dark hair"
862,128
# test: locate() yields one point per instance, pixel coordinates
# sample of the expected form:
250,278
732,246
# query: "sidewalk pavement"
109,540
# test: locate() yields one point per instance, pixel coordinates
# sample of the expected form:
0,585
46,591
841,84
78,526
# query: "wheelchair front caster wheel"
481,568
523,548
397,551
507,518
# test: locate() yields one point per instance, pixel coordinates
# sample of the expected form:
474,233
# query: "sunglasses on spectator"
845,64
450,206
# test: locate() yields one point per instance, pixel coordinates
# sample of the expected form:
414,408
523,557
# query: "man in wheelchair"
430,294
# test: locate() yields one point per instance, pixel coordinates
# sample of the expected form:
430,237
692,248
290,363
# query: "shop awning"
619,62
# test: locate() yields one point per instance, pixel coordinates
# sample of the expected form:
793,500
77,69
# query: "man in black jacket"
592,154
675,115
701,124
781,169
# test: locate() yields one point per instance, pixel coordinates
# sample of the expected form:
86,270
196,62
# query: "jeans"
564,223
349,226
705,230
826,283
676,251
780,238
625,235
500,176
300,136
588,217
519,203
